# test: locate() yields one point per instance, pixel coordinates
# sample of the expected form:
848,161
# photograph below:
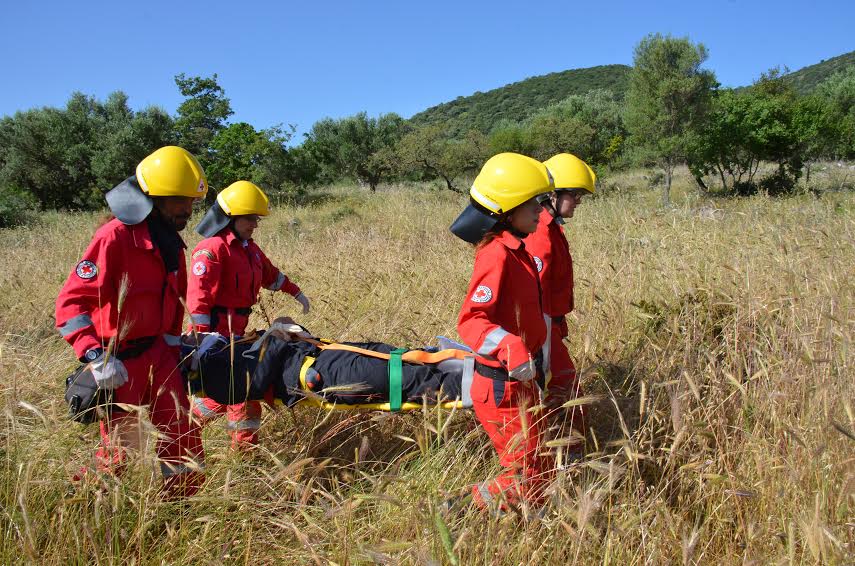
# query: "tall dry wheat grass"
717,336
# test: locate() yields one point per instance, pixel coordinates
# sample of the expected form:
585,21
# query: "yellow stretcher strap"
408,406
307,363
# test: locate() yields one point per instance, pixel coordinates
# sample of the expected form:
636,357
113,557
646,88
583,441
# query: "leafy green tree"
47,153
357,146
725,146
428,152
125,137
775,130
838,96
668,96
67,158
765,123
238,152
202,115
589,125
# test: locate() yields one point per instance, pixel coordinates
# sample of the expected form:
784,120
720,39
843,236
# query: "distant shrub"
16,207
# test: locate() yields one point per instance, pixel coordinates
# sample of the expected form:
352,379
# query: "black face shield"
473,223
128,202
213,221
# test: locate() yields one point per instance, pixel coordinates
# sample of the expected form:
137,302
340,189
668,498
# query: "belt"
491,372
136,347
501,374
218,310
243,311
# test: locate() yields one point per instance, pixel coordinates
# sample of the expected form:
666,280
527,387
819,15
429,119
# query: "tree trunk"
666,193
449,184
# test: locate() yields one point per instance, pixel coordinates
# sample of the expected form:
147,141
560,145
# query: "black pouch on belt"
83,396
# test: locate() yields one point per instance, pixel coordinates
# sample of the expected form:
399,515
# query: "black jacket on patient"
338,376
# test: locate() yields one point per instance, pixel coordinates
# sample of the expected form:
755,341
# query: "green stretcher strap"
395,371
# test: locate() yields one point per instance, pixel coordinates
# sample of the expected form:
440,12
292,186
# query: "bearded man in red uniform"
121,311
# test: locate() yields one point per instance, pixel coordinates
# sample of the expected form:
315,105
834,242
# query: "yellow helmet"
506,181
570,173
172,172
509,179
238,199
243,197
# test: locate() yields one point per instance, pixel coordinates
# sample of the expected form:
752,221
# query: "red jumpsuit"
227,274
551,253
121,289
503,322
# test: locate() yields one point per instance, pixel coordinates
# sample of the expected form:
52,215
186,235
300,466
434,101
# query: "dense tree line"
672,112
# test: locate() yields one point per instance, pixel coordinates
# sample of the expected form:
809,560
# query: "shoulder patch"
199,268
538,263
86,269
204,252
482,294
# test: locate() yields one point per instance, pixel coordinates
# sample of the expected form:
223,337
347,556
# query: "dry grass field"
716,335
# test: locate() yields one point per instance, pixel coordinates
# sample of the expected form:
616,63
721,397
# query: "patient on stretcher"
291,367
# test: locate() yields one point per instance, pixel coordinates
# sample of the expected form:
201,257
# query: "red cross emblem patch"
482,294
86,269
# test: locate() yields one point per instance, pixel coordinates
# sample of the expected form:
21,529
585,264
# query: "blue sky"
296,62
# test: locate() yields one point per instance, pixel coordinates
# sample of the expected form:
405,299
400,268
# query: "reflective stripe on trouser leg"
207,409
250,424
244,422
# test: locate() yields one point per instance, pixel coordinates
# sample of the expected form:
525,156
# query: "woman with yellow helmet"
227,271
548,245
502,321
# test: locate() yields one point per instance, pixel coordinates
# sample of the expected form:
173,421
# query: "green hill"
807,78
519,100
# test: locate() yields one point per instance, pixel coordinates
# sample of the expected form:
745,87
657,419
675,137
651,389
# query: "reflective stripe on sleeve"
201,319
172,340
485,494
276,285
249,424
74,324
491,342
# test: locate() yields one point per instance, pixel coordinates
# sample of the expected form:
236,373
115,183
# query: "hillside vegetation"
517,101
806,79
715,337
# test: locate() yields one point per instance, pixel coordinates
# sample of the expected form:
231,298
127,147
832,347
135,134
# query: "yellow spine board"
408,406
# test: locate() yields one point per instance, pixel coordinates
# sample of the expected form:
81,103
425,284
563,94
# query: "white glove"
523,372
109,374
303,300
209,341
288,331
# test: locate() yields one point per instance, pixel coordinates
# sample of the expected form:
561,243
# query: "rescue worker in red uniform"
551,252
227,271
120,309
502,321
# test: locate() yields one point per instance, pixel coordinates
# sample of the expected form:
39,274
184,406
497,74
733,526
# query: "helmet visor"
472,224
